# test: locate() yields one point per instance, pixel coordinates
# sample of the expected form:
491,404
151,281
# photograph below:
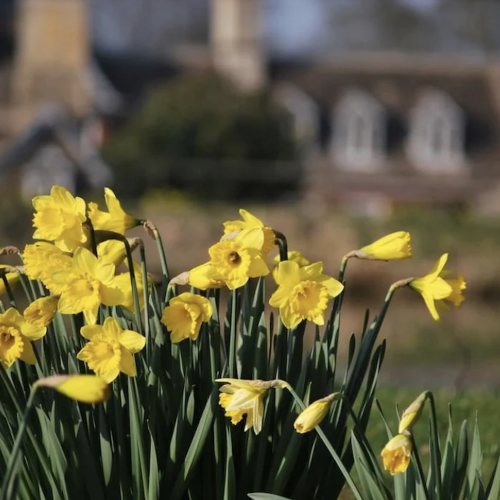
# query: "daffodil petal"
132,341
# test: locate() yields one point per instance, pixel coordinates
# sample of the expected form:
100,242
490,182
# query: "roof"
397,84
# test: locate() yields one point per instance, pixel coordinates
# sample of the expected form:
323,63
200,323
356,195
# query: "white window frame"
305,114
359,133
436,143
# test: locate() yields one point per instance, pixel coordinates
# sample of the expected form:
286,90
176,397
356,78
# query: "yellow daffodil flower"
303,293
87,284
251,222
294,256
198,277
433,287
184,315
59,218
112,251
42,260
245,397
413,413
314,414
16,335
83,388
456,297
11,276
236,260
394,246
110,348
397,453
116,219
41,312
125,285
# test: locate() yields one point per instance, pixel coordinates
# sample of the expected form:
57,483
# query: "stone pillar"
52,54
237,42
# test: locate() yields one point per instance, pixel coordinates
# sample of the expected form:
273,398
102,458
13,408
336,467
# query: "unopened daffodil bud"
314,414
397,453
83,388
394,246
412,414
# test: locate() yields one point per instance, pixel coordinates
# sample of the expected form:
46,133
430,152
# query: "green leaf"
154,476
266,496
493,489
196,447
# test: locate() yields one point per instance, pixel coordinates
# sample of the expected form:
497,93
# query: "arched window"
358,132
305,115
436,141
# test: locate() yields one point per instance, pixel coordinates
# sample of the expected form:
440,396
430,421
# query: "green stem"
232,337
145,286
8,288
6,492
93,241
343,267
420,469
328,445
135,295
282,245
436,459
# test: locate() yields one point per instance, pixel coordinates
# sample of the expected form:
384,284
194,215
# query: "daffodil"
16,335
12,277
110,348
314,414
59,218
112,251
41,312
83,388
124,283
394,246
294,256
397,453
303,293
236,260
433,287
184,315
456,297
199,277
245,397
87,284
42,260
413,413
116,219
251,222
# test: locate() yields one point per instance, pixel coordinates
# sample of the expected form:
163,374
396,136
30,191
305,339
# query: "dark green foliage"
198,133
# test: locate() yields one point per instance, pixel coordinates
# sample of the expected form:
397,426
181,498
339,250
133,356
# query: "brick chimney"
51,57
237,42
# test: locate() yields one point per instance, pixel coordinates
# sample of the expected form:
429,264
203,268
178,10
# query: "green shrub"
198,132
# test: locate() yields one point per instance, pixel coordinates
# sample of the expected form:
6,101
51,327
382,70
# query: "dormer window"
358,132
304,113
436,141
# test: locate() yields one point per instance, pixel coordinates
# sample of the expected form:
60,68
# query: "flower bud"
83,388
412,414
314,414
394,246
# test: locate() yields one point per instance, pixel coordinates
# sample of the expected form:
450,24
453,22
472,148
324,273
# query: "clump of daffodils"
97,328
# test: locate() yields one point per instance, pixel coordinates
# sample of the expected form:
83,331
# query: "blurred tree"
198,133
463,27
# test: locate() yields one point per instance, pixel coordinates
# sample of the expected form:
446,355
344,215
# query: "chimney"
52,53
237,42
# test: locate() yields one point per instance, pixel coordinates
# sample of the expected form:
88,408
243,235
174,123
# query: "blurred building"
393,103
